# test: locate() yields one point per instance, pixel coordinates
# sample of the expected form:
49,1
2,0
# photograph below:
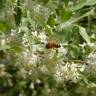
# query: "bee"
51,45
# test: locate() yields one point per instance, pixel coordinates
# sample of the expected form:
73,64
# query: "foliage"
27,67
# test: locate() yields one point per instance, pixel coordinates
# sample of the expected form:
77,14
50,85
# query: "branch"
77,61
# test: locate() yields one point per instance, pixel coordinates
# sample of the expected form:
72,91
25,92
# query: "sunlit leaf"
84,34
90,2
4,47
78,15
83,3
51,21
48,30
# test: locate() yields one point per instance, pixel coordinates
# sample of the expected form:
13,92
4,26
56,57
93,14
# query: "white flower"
82,45
70,3
42,37
32,85
3,42
37,8
33,59
2,67
34,48
22,73
91,44
92,58
35,33
67,72
43,68
13,32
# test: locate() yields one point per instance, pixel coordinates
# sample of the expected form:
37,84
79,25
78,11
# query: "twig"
76,61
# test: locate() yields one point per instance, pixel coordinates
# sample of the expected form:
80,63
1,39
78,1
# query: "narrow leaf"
78,16
17,13
84,34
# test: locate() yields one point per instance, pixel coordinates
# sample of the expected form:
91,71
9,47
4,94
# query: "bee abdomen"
52,45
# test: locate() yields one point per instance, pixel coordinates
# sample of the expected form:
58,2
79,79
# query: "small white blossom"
2,67
70,3
13,32
44,68
42,37
91,44
3,42
22,73
37,8
33,59
91,60
67,72
32,85
82,45
35,33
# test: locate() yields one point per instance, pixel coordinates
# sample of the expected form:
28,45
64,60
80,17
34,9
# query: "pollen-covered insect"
50,45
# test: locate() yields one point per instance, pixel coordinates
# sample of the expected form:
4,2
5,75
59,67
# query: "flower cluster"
68,72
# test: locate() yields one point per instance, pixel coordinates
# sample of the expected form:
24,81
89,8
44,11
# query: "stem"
89,23
76,61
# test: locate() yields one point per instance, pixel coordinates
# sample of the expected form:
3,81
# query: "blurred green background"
27,67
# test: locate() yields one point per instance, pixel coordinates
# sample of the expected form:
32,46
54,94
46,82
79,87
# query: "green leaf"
83,3
89,83
76,17
65,34
40,20
17,48
84,34
48,30
4,26
18,13
51,21
30,39
63,14
4,47
90,2
2,3
73,51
